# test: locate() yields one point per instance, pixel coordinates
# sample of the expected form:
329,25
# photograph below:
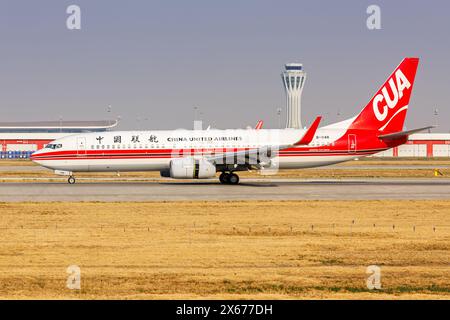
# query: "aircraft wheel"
71,180
224,177
233,179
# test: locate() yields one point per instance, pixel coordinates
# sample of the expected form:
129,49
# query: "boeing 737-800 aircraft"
199,154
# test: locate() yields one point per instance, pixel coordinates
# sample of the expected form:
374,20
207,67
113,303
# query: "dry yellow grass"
273,249
17,162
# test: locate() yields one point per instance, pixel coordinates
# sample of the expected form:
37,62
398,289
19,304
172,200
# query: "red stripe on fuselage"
169,153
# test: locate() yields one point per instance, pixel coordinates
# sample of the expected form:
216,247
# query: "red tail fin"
386,111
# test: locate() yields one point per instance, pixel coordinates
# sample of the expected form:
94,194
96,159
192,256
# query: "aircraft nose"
34,155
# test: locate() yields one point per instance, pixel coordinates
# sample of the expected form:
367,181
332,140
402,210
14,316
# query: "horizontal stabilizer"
402,134
309,134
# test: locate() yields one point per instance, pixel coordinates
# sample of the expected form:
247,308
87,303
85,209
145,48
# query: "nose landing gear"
229,178
71,180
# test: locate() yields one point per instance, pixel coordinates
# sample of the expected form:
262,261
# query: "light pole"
195,112
118,119
108,111
436,114
279,117
197,123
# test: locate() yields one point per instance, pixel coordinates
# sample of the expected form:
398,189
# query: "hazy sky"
155,60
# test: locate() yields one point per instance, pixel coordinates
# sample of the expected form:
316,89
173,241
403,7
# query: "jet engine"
190,168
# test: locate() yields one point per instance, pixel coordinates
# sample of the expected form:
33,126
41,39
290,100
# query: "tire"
233,179
71,180
224,177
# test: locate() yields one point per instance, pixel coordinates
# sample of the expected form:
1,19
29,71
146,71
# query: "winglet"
259,125
309,135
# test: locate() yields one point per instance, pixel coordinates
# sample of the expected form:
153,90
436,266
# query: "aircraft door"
352,143
81,146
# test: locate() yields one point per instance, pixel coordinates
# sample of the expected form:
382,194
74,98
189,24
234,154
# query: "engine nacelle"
190,168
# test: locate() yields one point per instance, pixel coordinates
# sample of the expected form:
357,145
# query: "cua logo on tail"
401,83
386,111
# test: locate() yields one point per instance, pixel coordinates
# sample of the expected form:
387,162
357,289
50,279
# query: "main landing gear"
71,180
229,178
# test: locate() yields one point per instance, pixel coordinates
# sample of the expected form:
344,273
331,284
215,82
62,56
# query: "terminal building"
20,139
421,145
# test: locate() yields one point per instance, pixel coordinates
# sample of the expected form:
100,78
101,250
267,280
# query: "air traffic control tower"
293,80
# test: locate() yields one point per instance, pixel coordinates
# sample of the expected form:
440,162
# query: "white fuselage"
153,150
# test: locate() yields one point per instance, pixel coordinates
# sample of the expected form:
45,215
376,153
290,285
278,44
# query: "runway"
249,189
32,168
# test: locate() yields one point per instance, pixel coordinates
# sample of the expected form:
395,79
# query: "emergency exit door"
81,146
352,143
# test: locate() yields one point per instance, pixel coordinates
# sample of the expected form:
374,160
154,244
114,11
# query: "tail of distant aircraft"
259,125
386,111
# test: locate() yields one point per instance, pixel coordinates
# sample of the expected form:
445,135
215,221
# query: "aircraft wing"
264,153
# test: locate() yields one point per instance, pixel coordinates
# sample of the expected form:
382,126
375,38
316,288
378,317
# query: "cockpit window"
54,146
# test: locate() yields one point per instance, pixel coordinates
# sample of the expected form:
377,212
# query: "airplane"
201,154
